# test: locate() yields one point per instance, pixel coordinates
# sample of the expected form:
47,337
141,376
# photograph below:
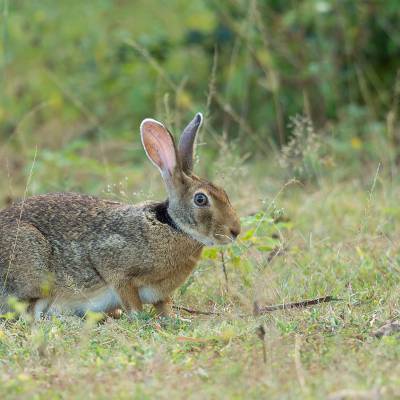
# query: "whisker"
226,236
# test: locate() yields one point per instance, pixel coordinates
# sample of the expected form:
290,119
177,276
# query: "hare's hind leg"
116,313
24,263
130,299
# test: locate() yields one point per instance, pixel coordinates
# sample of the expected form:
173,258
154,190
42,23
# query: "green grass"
338,239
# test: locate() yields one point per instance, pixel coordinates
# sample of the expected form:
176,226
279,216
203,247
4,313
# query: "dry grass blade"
196,312
344,394
224,269
298,364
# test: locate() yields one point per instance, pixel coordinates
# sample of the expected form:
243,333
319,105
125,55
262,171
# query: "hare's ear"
160,147
187,143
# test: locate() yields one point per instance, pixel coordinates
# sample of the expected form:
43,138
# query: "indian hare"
68,252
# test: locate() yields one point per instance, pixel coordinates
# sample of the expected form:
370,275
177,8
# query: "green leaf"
210,253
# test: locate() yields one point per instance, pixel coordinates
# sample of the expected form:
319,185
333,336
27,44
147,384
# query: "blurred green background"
309,87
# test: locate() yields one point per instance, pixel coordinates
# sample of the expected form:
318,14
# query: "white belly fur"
149,295
99,301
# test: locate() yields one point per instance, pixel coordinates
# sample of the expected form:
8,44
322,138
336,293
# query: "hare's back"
52,235
60,216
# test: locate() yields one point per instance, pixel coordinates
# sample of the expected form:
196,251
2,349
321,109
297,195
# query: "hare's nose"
235,232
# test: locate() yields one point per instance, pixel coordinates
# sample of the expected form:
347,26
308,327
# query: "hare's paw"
115,314
164,308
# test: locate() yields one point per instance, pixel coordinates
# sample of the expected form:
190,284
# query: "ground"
330,238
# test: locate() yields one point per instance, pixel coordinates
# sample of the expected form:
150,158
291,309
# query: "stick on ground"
266,309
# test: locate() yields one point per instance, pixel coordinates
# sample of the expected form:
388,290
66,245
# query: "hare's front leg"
164,307
130,299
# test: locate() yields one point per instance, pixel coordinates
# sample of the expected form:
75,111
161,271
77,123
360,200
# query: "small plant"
303,155
262,234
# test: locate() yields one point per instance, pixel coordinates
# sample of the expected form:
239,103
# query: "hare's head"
198,207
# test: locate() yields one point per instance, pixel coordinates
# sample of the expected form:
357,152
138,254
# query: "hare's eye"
200,199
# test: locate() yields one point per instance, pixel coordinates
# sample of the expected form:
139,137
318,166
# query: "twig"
277,251
266,309
300,304
212,82
224,268
261,335
198,312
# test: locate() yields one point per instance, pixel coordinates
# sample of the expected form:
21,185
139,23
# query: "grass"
69,117
339,239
